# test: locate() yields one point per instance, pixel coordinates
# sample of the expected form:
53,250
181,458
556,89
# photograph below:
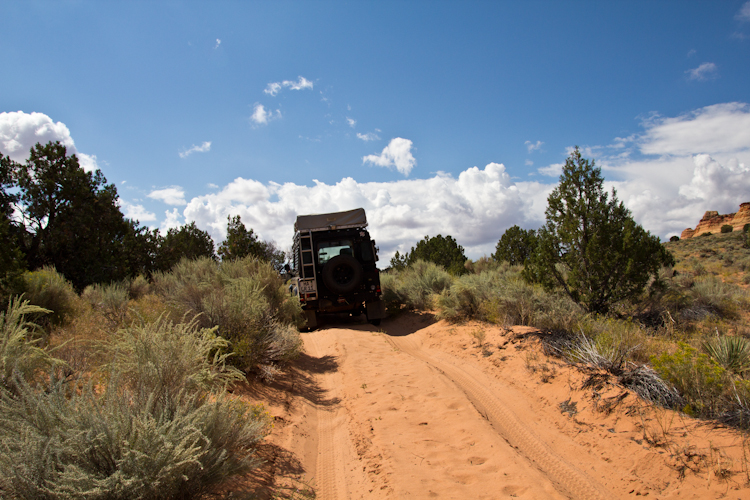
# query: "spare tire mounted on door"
342,274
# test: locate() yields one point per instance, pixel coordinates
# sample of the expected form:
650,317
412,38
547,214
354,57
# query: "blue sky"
436,117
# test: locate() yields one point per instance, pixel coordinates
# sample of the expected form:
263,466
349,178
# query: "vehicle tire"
375,322
342,274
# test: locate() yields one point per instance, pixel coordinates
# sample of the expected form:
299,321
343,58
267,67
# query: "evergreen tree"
443,251
399,261
186,242
71,218
11,258
515,245
590,245
242,242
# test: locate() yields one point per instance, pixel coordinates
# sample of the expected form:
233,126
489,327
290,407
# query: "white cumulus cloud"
261,116
20,131
276,87
667,187
137,212
397,154
369,136
173,195
203,148
531,146
352,122
475,207
720,128
171,221
705,71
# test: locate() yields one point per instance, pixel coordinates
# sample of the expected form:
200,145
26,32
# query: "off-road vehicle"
334,266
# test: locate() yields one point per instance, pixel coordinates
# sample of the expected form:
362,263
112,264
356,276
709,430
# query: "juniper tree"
590,245
515,245
443,251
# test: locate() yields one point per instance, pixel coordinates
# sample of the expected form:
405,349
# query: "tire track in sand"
474,384
332,434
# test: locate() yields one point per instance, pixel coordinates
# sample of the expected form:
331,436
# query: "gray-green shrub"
49,289
161,426
20,354
416,286
248,302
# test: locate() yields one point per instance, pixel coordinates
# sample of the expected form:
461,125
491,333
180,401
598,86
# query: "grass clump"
158,425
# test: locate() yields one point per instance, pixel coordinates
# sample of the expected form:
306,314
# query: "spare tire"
342,274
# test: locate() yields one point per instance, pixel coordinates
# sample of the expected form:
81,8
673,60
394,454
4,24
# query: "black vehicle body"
335,266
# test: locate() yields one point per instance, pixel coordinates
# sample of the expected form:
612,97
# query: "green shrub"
160,427
49,289
697,377
746,228
164,359
727,228
674,238
19,345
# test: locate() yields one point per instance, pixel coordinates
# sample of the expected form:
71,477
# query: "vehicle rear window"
330,249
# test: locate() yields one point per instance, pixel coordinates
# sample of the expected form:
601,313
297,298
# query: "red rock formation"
712,222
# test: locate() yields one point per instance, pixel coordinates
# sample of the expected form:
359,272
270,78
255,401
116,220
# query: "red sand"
418,409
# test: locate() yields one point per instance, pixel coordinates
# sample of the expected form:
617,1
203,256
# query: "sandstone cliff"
712,222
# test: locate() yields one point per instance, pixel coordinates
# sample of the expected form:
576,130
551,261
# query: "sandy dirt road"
418,409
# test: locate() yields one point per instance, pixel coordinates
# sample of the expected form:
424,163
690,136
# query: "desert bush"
160,427
165,358
717,297
109,299
389,286
248,302
501,296
727,228
50,290
650,386
697,377
482,264
674,238
466,297
20,354
731,353
416,286
138,287
606,343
